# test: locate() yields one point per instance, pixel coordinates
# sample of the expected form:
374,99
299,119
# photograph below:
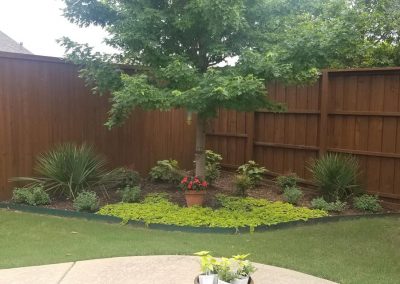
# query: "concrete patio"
139,270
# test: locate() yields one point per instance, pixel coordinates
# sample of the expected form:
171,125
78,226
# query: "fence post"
323,120
250,135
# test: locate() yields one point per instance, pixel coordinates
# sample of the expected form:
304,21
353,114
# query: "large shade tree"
182,46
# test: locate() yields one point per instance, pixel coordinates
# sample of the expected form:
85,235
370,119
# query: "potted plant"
245,268
208,264
225,273
195,190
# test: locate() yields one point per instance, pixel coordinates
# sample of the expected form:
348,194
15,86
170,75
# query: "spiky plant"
69,169
336,176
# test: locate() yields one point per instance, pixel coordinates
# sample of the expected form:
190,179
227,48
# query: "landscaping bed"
73,177
224,185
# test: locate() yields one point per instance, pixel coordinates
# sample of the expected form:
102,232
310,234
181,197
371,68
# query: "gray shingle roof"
7,44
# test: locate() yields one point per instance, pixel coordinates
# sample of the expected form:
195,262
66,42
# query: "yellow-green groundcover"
234,212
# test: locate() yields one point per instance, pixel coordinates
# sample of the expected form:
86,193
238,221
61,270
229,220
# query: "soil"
224,185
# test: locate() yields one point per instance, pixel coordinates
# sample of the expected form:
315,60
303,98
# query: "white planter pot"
241,280
222,282
208,279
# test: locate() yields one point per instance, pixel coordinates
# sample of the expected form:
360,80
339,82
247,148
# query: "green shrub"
322,204
289,180
253,171
166,171
86,201
367,202
31,196
292,194
242,184
235,212
69,169
130,194
127,177
336,176
213,166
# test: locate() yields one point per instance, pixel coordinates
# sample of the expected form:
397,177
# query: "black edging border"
165,227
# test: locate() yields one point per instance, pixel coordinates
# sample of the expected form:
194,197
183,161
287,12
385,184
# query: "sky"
38,23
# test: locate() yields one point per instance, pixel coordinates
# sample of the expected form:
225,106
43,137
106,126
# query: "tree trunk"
200,154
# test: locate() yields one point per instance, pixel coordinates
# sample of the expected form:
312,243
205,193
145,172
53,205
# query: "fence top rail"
50,59
368,69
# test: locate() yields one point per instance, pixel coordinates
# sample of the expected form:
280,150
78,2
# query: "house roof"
7,44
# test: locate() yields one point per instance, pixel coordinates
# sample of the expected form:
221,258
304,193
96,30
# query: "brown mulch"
224,185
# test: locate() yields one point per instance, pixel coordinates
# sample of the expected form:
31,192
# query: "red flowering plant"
193,183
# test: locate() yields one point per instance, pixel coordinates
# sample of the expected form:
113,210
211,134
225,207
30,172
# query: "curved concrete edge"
167,269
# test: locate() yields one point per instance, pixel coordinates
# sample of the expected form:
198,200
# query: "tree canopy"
183,45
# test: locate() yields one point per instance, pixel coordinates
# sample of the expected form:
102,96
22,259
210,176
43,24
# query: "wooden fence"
347,111
43,103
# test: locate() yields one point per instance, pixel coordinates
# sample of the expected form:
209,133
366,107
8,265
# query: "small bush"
86,201
128,177
367,202
336,176
166,171
289,180
130,194
31,196
213,166
242,184
322,204
292,194
253,171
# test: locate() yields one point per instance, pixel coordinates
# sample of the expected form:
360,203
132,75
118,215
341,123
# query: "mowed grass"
358,251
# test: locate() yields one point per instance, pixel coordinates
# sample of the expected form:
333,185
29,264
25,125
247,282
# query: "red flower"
204,184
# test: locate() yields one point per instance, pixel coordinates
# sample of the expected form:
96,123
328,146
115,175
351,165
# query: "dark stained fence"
346,111
44,103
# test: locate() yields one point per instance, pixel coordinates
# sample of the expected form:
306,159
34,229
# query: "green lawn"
359,251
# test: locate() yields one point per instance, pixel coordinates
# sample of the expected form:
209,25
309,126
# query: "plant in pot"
245,269
208,265
195,190
224,270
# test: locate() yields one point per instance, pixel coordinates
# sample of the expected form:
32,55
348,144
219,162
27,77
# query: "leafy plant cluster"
289,180
235,212
227,269
253,171
248,176
321,203
288,185
34,196
167,171
130,194
292,194
367,202
128,178
86,201
242,183
213,166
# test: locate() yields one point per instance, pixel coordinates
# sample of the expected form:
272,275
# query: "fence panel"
44,103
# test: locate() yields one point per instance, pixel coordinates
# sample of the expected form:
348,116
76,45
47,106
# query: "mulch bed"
224,185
